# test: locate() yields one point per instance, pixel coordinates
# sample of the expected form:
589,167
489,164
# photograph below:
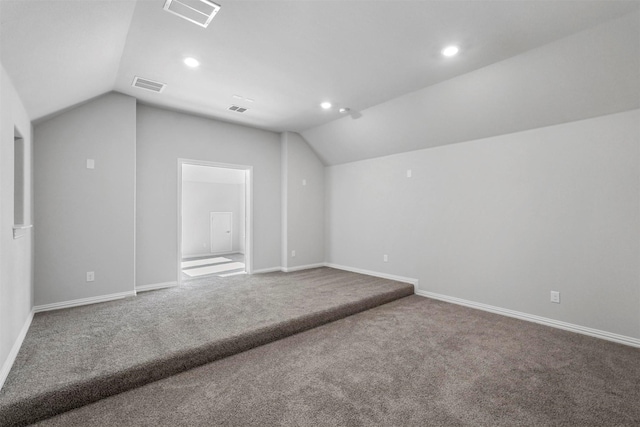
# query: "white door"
221,232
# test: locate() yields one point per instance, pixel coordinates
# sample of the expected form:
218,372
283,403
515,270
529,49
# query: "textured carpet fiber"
412,362
76,356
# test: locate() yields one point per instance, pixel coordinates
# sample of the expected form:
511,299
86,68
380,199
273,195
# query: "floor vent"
238,109
200,12
148,84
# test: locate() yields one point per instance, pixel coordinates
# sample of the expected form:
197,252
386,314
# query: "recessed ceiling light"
326,105
450,51
191,62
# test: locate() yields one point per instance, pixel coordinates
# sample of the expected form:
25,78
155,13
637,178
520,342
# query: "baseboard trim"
266,270
402,279
83,301
302,267
620,339
155,286
11,357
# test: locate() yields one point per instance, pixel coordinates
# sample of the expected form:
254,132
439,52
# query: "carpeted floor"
411,362
76,356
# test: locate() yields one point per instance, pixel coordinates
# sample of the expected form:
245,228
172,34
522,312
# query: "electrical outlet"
293,253
304,182
91,164
409,173
385,258
555,297
91,276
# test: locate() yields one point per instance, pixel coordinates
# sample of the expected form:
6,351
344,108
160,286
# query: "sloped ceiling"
588,74
288,56
61,53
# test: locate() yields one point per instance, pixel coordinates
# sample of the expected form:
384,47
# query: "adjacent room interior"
319,212
213,220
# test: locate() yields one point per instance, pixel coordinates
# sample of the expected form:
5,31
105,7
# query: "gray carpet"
76,356
412,362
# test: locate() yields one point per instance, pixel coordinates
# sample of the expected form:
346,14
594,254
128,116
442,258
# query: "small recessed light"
191,62
450,51
326,105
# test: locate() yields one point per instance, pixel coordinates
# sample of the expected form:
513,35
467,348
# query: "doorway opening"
214,219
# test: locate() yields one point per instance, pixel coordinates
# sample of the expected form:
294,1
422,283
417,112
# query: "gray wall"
165,136
505,220
16,256
303,203
84,218
198,200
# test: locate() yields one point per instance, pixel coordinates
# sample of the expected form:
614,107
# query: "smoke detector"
147,84
200,12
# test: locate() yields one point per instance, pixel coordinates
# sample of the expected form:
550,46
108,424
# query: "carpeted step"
281,305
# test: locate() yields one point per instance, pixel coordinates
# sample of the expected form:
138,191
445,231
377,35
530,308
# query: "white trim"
409,280
266,270
284,200
11,357
302,267
20,230
621,339
248,220
154,286
83,301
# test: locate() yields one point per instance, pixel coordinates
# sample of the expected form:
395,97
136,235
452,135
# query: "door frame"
211,214
248,209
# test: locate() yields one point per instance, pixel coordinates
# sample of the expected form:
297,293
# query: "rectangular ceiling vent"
238,109
200,12
148,84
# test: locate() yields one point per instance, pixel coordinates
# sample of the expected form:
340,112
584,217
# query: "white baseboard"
302,267
266,270
409,280
11,357
155,286
83,301
621,339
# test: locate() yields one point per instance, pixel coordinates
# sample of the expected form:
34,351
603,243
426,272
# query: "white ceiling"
588,74
287,55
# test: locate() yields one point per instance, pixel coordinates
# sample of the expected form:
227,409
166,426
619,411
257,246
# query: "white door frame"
248,208
211,214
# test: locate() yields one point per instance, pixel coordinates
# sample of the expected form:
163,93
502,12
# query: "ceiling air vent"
148,84
200,12
238,109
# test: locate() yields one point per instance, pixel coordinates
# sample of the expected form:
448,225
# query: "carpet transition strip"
211,269
206,261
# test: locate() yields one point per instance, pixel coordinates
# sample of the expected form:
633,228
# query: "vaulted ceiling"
286,56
